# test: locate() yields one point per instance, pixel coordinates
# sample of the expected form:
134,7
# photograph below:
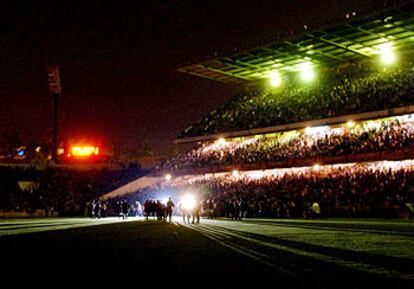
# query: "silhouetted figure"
170,207
235,208
96,209
197,212
125,209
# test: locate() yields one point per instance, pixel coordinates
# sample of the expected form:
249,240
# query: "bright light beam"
274,79
221,142
350,124
188,202
386,53
306,71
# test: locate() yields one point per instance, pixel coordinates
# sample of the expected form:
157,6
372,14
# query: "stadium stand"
375,189
387,135
357,76
332,95
306,148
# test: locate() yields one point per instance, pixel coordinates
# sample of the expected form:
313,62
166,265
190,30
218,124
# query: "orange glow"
84,151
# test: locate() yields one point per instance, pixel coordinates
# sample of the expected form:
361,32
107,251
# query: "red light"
84,151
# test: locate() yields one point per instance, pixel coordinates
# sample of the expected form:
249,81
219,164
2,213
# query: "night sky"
117,62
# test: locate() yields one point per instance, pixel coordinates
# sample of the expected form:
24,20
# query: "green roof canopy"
354,40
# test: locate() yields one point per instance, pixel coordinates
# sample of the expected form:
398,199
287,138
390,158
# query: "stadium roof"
354,40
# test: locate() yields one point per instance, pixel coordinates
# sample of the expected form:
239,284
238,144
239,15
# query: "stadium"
306,174
323,116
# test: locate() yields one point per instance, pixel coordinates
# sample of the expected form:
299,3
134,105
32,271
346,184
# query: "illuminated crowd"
331,94
342,191
379,189
365,137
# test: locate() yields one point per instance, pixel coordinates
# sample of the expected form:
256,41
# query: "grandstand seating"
353,91
381,189
359,181
389,135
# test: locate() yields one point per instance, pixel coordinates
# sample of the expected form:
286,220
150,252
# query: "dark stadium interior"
234,138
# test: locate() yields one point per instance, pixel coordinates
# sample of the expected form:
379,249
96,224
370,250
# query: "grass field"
353,253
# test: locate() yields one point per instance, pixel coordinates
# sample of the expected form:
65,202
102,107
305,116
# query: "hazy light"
188,202
387,53
168,177
316,167
217,145
245,142
306,71
316,130
373,125
221,141
404,118
337,130
235,173
256,174
350,124
274,79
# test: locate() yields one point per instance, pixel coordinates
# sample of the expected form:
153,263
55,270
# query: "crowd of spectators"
379,189
62,191
355,90
364,137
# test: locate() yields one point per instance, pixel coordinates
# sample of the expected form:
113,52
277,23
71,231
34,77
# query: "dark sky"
117,61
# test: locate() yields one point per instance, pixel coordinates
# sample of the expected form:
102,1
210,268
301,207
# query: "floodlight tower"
55,89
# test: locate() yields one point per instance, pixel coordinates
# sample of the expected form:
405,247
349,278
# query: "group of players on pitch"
162,211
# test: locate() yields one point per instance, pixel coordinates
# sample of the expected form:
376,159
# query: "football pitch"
349,252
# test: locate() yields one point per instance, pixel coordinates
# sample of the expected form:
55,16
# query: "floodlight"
387,53
274,79
235,173
221,141
188,202
350,124
306,71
